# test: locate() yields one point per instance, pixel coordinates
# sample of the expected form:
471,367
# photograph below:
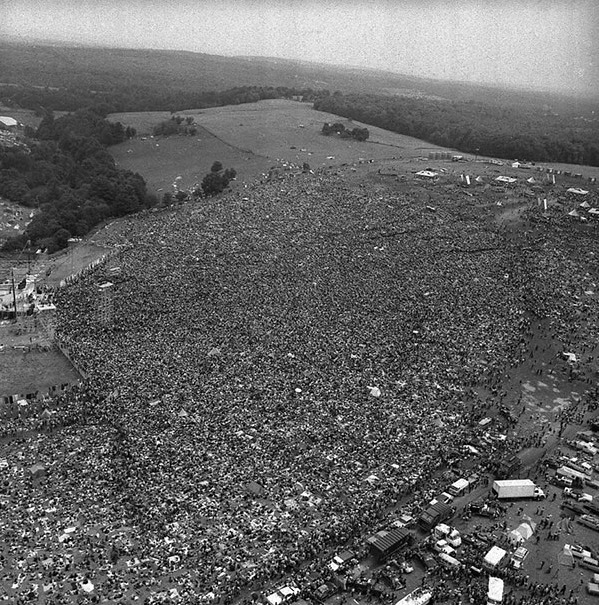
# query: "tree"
216,181
230,174
212,184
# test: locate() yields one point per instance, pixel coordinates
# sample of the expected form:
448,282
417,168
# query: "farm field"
161,160
251,138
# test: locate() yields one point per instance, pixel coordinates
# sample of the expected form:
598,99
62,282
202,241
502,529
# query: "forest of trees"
140,98
477,128
67,173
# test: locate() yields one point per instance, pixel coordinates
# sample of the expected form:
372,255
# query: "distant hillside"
103,73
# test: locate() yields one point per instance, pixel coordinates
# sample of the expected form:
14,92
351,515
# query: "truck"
568,472
435,514
459,487
495,591
513,489
508,466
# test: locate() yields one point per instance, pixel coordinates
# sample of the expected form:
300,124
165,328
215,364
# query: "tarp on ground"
566,558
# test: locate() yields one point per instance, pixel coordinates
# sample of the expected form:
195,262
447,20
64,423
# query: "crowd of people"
283,365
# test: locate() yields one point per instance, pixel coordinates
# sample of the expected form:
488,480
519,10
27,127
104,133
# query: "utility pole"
14,291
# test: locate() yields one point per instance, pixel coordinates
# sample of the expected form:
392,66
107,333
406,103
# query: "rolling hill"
106,70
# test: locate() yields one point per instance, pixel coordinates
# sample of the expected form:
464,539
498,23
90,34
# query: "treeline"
477,128
141,98
67,173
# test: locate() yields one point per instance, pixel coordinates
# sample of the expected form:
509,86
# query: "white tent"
585,204
8,121
573,213
505,179
522,533
576,190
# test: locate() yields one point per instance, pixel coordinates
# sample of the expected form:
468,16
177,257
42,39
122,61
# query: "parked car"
427,560
324,591
443,546
576,508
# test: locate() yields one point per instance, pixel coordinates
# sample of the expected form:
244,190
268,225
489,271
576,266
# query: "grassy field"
161,160
251,138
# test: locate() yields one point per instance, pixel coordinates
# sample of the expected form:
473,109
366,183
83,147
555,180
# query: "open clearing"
251,138
31,371
161,160
254,137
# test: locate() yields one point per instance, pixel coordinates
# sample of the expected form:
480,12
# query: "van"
441,531
449,561
519,557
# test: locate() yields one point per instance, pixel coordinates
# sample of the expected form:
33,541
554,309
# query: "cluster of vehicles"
394,547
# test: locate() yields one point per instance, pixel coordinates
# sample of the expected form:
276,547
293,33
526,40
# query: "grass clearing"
161,160
251,138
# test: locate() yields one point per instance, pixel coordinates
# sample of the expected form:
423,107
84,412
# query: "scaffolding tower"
105,303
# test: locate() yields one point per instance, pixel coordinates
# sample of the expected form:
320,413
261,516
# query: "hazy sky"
539,43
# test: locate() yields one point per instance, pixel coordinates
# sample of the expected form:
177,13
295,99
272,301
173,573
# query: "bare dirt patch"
28,371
